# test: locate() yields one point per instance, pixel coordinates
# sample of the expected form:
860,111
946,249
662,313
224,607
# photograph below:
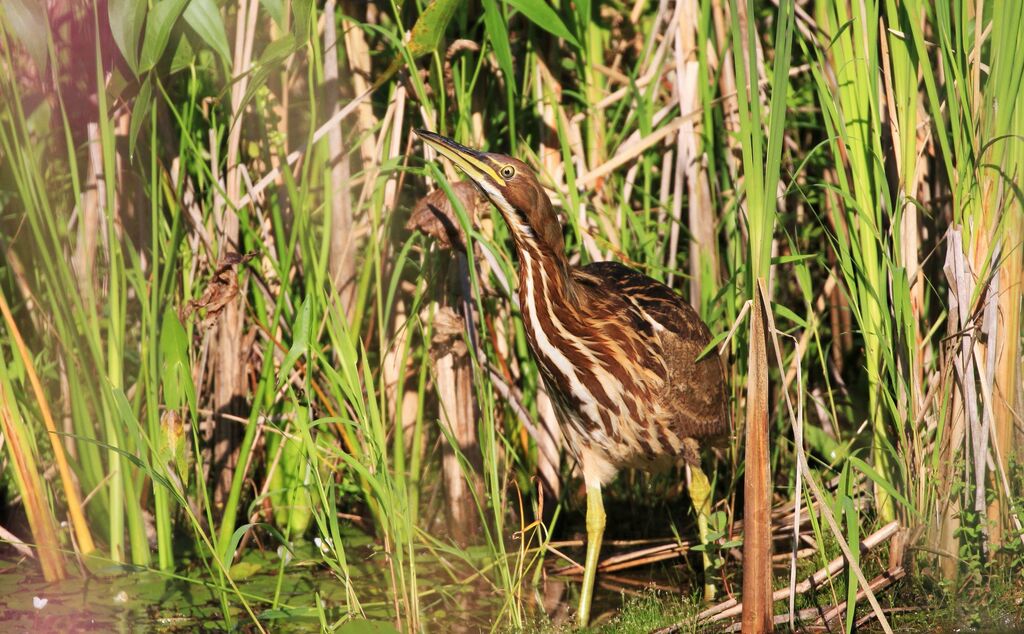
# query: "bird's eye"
508,172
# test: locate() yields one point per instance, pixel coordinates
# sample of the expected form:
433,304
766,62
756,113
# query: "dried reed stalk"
453,381
731,608
229,389
358,53
341,261
757,545
1007,401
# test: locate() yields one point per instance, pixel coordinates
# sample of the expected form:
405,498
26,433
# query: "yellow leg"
700,496
595,532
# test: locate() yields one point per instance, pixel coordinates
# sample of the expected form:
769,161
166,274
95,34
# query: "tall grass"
239,345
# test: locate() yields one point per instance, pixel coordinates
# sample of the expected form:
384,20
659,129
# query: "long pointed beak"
472,162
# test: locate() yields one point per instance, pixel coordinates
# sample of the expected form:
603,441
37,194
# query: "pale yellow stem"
595,532
700,496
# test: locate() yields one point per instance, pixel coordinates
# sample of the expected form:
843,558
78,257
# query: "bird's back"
682,403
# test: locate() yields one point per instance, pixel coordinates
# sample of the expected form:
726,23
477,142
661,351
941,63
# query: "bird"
618,351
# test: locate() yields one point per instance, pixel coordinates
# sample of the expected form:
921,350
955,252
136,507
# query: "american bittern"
618,351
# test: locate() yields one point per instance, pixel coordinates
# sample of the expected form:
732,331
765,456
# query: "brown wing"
658,301
694,391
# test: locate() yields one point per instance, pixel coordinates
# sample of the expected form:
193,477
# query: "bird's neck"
544,276
548,302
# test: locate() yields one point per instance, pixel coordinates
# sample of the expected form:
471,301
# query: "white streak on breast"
547,349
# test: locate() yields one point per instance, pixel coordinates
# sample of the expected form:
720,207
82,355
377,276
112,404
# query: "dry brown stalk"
999,456
636,559
229,388
545,433
633,587
778,619
358,53
727,87
548,93
757,544
703,258
453,376
877,584
670,548
962,319
16,543
293,157
90,217
342,263
451,350
1005,355
731,608
626,153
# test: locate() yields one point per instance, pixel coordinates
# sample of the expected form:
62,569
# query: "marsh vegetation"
260,352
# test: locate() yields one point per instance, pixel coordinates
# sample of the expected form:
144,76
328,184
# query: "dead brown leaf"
221,290
435,216
449,327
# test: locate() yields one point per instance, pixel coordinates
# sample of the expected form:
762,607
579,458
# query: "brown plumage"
617,349
655,401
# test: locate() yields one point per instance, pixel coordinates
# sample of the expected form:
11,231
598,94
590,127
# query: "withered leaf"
447,324
449,327
435,216
222,288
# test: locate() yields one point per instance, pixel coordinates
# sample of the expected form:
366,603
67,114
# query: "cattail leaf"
430,26
887,486
183,56
127,18
140,111
303,16
175,369
497,33
27,21
783,311
543,15
159,22
205,19
275,9
300,340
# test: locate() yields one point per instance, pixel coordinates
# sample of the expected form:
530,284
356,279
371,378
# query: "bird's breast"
605,391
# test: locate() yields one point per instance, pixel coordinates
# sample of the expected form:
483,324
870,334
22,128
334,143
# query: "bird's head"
513,188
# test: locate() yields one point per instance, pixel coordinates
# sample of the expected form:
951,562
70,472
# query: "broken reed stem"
16,542
732,607
880,582
628,153
670,548
798,440
808,615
